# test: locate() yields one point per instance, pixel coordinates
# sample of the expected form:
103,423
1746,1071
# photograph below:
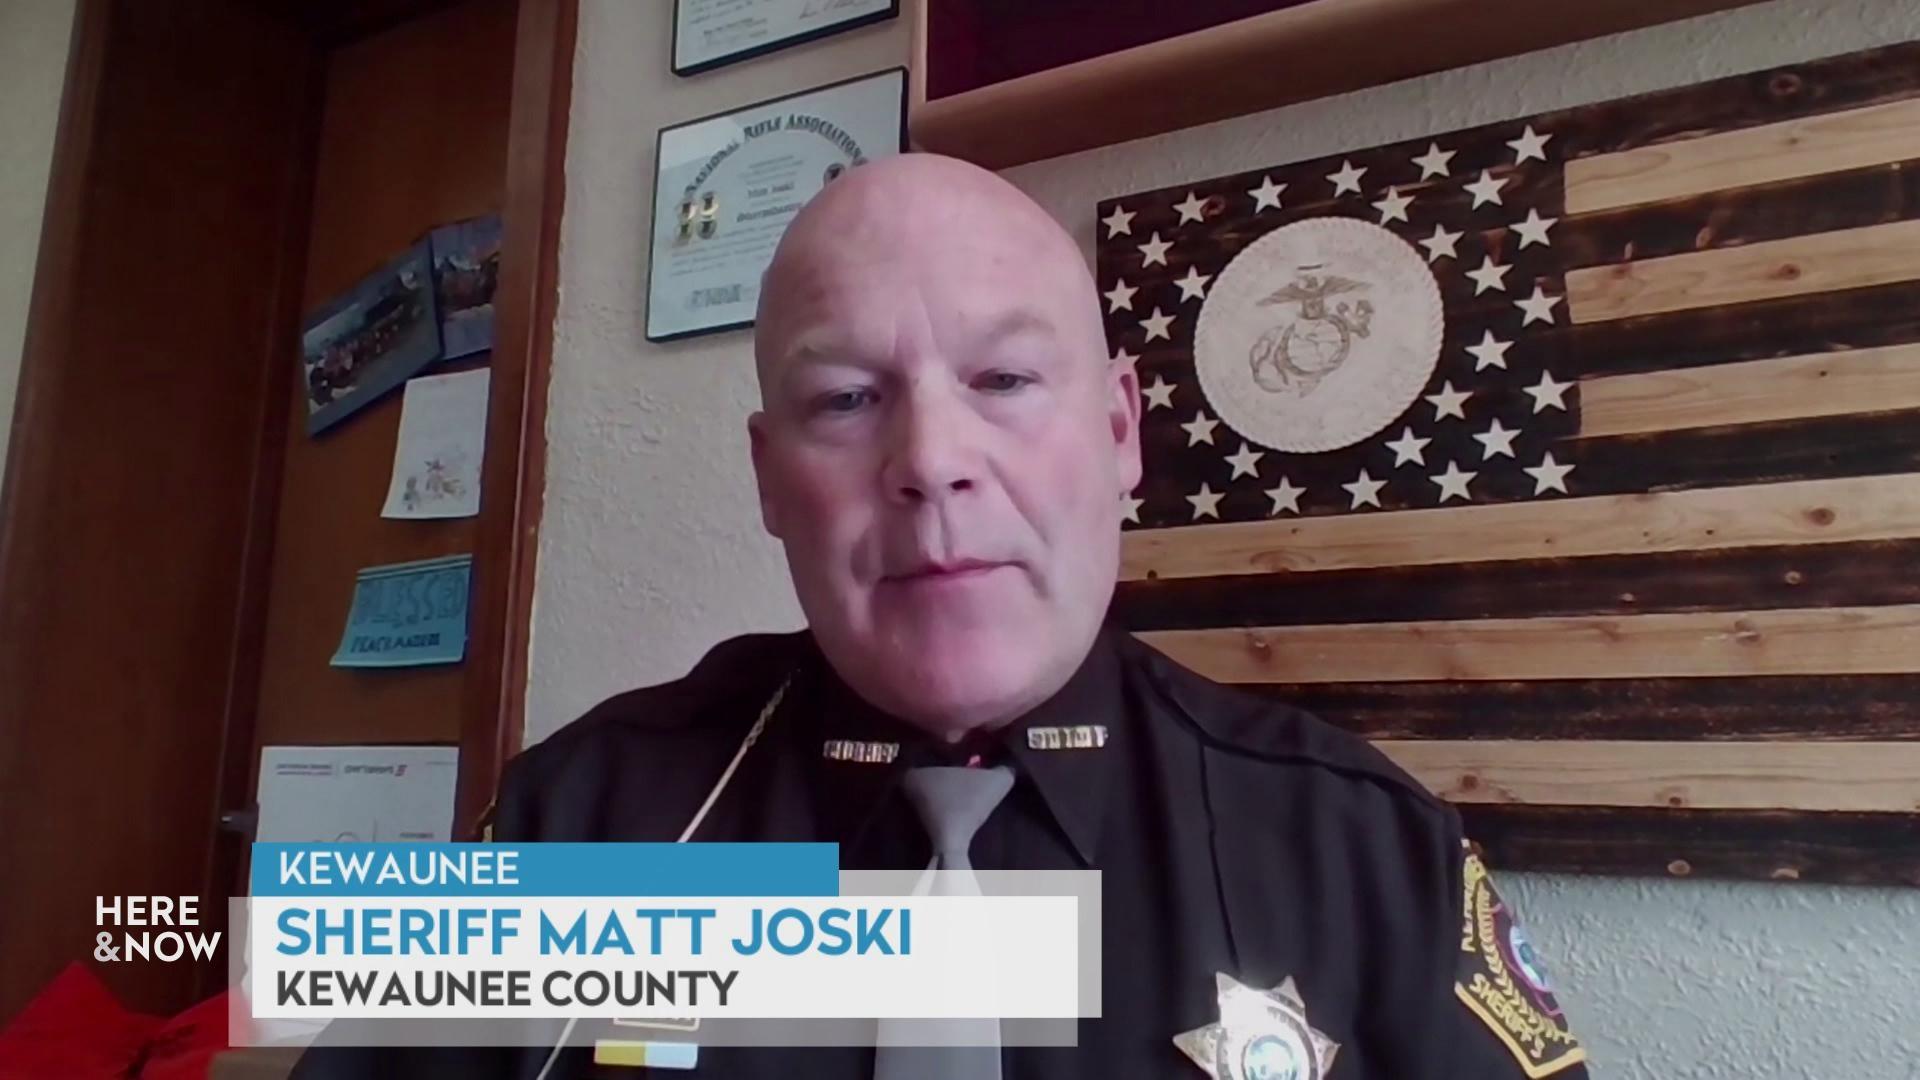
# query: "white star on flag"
1193,208
1206,503
1533,230
1159,395
1130,507
1491,352
1285,497
1200,429
1393,206
1549,475
1120,297
1434,161
1486,190
1194,285
1449,402
1453,483
1408,450
1549,394
1537,308
1496,441
1347,178
1154,251
1118,223
1491,275
1246,462
1122,356
1529,145
1365,490
1267,195
1440,244
1156,325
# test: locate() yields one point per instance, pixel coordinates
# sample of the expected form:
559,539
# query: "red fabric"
183,1047
76,1030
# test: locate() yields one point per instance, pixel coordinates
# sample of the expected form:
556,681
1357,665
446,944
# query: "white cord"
554,1054
746,744
700,815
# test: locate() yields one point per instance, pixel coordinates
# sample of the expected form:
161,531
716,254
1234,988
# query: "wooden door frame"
28,477
59,753
494,699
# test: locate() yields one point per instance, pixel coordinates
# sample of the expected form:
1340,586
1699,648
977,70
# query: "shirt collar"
1066,748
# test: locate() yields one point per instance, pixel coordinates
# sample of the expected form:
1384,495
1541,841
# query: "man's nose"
932,455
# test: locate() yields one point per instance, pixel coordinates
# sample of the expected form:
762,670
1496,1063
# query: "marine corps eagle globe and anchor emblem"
1318,335
1293,357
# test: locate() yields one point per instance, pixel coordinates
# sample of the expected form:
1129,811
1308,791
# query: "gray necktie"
952,803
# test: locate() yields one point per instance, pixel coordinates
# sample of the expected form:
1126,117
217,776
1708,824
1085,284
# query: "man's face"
943,448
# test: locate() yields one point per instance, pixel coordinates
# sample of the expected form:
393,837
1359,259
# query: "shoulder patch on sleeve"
1501,980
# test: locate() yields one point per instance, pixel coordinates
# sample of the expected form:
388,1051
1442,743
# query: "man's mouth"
945,570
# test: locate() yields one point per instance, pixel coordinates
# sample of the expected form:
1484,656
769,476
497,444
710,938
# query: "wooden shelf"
1295,54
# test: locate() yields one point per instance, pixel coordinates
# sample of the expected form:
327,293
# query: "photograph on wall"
712,33
443,438
725,188
370,339
466,271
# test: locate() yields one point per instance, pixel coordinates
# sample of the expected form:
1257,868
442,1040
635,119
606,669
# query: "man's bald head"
943,444
926,212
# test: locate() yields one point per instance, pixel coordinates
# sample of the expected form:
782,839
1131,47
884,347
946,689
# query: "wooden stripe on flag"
1797,641
1813,511
1727,776
1805,146
1867,574
1756,391
1781,845
1737,216
1818,262
1837,708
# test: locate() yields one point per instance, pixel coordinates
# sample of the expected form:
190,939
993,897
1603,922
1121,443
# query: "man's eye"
1001,382
849,400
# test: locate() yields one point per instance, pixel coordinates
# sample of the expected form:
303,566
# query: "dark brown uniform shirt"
1233,834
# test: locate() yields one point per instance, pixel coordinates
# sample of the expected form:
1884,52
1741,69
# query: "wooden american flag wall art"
1574,460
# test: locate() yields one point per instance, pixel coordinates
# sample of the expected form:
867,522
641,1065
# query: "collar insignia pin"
860,752
1261,1035
1072,737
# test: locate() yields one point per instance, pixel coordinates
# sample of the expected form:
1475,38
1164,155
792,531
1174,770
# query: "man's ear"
1123,417
762,475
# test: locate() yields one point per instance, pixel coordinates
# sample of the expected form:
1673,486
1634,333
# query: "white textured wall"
33,66
650,543
651,550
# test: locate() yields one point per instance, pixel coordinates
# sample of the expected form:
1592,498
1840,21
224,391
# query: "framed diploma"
712,33
725,187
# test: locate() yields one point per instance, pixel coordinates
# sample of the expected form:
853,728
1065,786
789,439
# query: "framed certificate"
725,187
712,33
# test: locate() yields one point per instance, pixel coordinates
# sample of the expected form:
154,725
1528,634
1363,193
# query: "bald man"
942,450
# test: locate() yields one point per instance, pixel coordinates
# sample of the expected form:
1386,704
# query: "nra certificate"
710,33
725,188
